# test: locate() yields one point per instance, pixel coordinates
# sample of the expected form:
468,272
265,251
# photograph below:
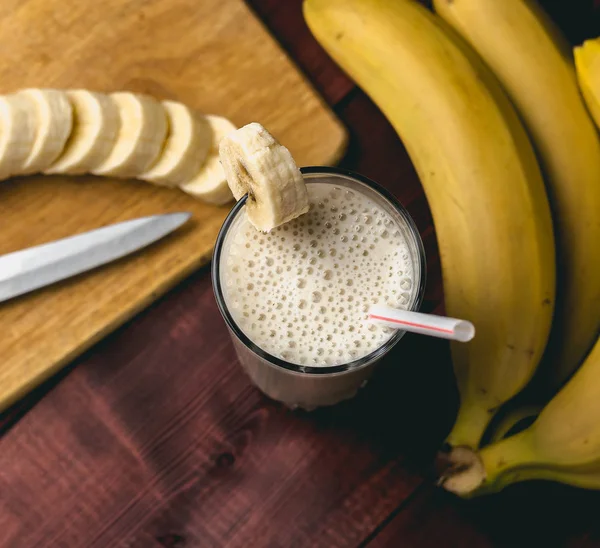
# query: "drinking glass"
309,387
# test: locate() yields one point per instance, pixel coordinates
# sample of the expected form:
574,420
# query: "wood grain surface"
191,450
154,437
214,56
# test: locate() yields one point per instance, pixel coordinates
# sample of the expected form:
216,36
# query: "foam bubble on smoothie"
302,291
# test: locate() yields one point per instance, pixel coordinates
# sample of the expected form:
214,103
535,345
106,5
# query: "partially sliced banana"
17,133
95,126
54,119
188,141
256,164
142,132
210,184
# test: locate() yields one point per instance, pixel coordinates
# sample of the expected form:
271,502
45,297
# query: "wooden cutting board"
211,54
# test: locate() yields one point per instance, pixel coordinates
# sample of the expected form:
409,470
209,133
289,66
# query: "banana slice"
54,119
256,164
186,148
95,126
141,135
210,184
17,123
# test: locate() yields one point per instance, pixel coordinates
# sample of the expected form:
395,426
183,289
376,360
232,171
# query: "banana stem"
463,473
470,424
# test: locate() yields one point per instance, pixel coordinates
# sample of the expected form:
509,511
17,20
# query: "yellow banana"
535,66
481,179
587,65
563,444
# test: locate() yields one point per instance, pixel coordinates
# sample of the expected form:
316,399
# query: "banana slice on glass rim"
256,164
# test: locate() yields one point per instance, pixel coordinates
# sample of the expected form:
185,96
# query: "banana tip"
460,470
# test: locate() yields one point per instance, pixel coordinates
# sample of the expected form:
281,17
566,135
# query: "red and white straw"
425,324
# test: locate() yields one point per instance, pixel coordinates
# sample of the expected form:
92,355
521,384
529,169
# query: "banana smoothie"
296,298
302,292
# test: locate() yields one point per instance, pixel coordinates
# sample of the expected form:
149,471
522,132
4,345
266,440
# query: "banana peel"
587,63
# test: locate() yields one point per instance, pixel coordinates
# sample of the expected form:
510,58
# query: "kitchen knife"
41,265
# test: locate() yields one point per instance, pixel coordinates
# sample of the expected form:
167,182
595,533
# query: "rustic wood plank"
590,539
285,21
525,515
430,519
160,433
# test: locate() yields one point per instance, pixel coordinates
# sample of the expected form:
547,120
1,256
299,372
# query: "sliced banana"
257,165
54,119
142,132
95,126
17,133
188,141
210,184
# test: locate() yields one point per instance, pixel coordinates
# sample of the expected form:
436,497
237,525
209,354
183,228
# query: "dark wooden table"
155,438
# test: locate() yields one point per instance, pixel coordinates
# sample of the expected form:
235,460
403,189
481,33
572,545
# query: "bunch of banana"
123,134
563,444
587,64
481,179
535,66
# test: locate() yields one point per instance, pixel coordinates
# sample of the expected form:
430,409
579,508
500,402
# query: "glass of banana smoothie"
295,299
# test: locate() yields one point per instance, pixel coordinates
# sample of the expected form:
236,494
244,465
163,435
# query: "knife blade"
38,266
